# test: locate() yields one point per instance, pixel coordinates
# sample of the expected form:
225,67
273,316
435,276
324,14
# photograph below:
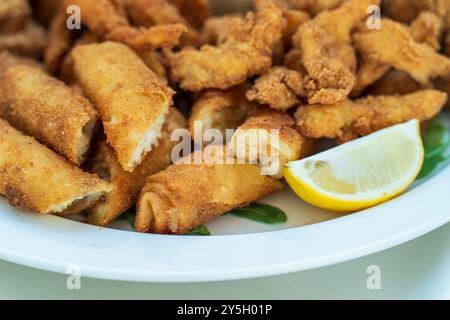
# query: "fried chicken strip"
34,177
427,29
246,53
30,41
107,19
407,10
171,205
220,109
269,138
394,82
394,45
128,185
195,11
131,99
352,119
13,15
45,108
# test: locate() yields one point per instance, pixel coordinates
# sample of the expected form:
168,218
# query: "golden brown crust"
132,101
171,205
247,52
34,177
394,45
195,11
351,119
314,7
30,41
107,19
47,109
427,28
127,185
8,60
13,15
394,82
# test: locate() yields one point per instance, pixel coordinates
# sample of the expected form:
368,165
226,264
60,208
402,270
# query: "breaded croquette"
128,185
352,119
36,178
269,138
48,110
394,45
108,20
171,205
131,99
246,53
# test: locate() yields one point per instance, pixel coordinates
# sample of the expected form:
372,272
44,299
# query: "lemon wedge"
362,173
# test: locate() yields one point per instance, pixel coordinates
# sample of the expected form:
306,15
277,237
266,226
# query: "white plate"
239,248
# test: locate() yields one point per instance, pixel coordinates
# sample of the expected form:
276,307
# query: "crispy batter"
8,60
341,21
331,79
13,15
253,141
107,19
216,30
148,13
393,44
394,82
407,10
351,119
427,29
195,11
315,6
128,185
220,109
171,205
28,42
294,19
246,53
59,41
369,72
34,177
48,110
131,99
278,88
155,61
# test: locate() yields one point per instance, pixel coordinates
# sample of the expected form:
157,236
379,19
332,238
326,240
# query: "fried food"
427,29
171,205
279,89
8,60
128,185
407,10
246,53
195,11
148,13
45,108
369,72
394,82
34,177
269,138
43,10
30,41
217,29
443,84
155,61
60,40
331,79
13,15
220,109
349,119
108,20
131,99
341,21
314,7
394,45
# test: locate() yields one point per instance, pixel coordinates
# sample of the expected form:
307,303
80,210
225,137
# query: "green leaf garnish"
200,231
260,213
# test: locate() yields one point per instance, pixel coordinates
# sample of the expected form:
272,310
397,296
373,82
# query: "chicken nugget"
128,185
244,54
36,178
171,205
45,108
394,45
30,41
13,15
349,119
131,99
269,138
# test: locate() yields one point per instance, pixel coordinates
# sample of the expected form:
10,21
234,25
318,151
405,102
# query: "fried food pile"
92,93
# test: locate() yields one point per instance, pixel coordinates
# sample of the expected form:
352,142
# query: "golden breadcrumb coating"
108,19
132,101
314,7
45,108
171,205
247,52
290,147
8,60
217,29
394,82
349,119
30,41
128,185
34,177
278,88
407,10
331,79
394,45
155,61
220,109
427,28
13,15
369,71
195,11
